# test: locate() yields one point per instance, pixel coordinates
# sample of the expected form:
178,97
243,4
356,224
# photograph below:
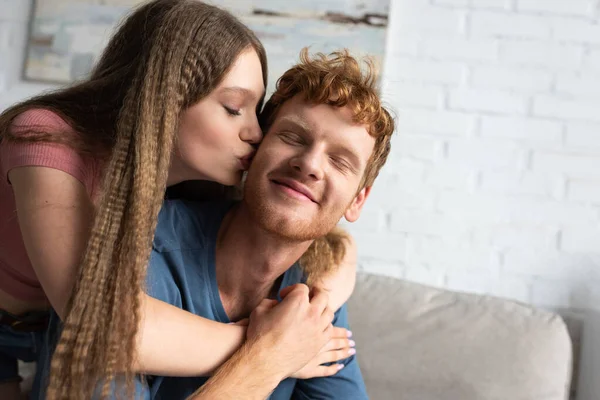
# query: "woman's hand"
338,348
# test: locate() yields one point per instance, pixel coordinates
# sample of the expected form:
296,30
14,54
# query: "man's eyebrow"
243,91
295,123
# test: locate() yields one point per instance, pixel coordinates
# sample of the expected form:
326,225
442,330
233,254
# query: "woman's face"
217,136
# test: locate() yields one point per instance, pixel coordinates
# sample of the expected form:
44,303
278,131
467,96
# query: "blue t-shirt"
182,273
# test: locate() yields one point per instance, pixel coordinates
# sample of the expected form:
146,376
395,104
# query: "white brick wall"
583,136
516,79
493,24
516,187
503,191
493,185
541,54
579,8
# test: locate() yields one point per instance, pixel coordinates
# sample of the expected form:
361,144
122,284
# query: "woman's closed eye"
232,111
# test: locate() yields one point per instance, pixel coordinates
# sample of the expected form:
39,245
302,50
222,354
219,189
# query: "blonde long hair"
166,56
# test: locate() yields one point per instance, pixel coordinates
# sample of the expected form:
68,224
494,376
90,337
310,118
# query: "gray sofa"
421,343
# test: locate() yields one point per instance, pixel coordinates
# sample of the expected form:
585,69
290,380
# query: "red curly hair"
338,80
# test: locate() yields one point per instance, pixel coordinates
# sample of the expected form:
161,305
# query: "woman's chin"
232,180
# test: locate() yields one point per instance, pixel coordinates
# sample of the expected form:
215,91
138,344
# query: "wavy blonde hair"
165,57
338,80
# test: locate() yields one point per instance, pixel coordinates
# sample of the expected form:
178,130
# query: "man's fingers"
319,300
285,291
266,304
298,289
326,320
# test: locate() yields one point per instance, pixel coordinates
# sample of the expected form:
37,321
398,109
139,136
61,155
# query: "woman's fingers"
326,370
335,344
316,369
336,355
341,332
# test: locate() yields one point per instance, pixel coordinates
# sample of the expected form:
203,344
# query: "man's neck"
249,261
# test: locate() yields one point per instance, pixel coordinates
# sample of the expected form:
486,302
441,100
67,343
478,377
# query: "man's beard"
274,221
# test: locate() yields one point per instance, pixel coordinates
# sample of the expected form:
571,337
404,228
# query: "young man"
327,136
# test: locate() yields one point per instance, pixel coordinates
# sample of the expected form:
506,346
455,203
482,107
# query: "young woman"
173,98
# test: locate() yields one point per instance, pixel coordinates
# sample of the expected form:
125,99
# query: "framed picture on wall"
67,36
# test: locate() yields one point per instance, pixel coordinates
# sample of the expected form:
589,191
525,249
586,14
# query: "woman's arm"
55,214
175,342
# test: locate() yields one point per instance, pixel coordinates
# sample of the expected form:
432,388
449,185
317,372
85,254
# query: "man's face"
306,173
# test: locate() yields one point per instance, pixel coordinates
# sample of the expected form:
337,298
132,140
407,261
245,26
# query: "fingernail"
351,343
349,333
352,351
340,366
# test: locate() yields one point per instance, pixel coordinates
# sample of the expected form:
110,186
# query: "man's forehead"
294,110
313,116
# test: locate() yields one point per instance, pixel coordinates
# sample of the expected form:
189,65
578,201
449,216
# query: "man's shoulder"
185,225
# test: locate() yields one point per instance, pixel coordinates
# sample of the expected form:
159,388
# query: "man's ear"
353,211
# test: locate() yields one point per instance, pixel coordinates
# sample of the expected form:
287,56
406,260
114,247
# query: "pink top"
17,276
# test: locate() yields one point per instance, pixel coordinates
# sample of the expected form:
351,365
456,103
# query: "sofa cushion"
416,342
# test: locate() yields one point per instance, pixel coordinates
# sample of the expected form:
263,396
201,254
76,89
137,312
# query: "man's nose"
309,163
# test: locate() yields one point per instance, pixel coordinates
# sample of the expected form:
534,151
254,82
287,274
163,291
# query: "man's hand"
287,335
338,348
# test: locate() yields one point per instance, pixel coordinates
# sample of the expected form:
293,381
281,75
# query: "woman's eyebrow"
243,91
